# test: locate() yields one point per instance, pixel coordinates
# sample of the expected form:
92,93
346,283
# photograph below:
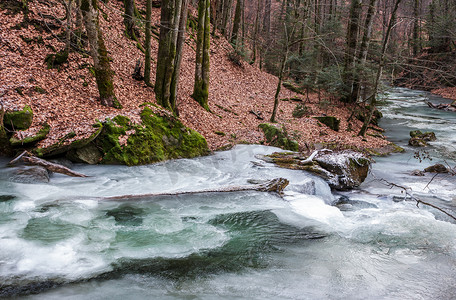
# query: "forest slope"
67,99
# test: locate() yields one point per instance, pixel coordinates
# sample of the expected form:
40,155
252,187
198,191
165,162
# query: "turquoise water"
59,240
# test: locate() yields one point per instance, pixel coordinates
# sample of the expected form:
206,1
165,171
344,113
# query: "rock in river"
342,170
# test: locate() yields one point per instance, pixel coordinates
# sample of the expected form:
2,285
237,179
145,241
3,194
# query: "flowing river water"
57,241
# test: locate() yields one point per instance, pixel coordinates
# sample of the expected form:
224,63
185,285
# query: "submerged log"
28,158
276,185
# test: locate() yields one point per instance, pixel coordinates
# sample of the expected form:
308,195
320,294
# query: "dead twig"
29,158
408,190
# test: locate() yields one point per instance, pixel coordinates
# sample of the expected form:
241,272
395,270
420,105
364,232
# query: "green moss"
21,119
42,133
57,59
331,122
292,87
278,137
158,138
221,133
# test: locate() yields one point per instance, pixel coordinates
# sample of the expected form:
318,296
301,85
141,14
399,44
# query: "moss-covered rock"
331,122
41,135
420,139
63,145
157,138
18,120
278,137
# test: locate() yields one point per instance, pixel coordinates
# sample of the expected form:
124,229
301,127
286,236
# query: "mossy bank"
159,136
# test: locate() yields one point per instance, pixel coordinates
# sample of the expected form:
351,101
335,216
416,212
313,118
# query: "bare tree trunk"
373,102
147,43
416,28
362,55
180,43
267,17
279,86
201,86
172,35
236,23
350,51
103,72
129,18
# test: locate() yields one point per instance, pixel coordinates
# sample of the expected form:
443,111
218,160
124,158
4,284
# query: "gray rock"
88,154
417,173
343,170
437,168
30,174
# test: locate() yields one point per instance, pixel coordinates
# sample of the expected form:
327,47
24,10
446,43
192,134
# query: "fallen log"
276,185
28,158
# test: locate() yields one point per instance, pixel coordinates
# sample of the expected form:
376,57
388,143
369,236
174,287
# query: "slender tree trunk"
103,72
350,50
255,31
363,50
236,23
279,86
416,28
129,18
226,16
168,55
147,43
373,102
68,25
201,85
267,17
180,44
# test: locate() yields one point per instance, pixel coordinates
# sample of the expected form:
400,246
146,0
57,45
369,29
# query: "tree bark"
201,85
129,18
363,50
416,28
373,102
180,43
147,45
103,72
168,56
350,50
276,185
33,160
236,23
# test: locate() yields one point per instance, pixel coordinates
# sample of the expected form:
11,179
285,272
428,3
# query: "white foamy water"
59,240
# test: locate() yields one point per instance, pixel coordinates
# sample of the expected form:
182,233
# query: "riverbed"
59,240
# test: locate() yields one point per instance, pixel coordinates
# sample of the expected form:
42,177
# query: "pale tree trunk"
103,72
373,102
147,43
363,50
267,17
201,86
168,55
350,50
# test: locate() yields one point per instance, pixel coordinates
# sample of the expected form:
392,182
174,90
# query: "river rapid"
58,241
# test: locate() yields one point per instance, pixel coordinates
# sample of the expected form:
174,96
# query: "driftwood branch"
407,192
312,156
28,158
276,185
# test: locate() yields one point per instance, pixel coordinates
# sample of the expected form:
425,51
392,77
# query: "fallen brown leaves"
68,101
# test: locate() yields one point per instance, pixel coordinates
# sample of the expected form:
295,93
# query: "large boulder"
420,139
277,136
343,170
160,136
18,120
29,174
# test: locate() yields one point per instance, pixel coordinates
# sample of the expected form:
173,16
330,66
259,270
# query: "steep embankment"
66,97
